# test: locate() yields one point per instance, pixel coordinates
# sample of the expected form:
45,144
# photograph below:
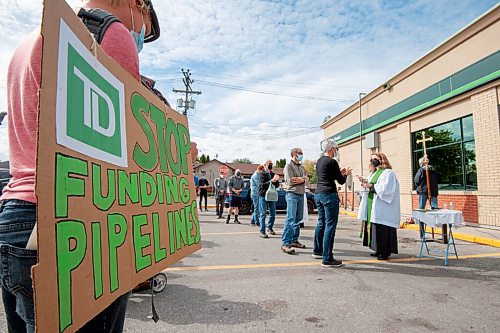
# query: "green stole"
371,195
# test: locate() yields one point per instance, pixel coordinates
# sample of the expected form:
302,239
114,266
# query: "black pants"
203,194
219,204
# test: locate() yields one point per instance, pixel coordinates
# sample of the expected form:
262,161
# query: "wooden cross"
426,160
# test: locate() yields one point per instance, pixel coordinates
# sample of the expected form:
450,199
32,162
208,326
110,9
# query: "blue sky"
252,60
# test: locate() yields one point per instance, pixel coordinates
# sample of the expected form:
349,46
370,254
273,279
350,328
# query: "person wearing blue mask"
295,180
134,22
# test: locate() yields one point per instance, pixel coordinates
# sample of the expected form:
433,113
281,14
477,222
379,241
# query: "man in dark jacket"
420,181
266,179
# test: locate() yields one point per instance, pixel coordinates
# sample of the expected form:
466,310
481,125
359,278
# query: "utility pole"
361,133
188,90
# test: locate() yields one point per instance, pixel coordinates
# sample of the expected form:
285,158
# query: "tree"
281,163
244,160
203,159
311,171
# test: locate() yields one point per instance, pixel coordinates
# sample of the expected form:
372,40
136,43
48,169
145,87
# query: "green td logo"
90,103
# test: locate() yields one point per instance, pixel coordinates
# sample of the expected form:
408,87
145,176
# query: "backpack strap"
97,21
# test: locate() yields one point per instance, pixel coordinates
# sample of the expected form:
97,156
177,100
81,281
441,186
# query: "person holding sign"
380,208
122,40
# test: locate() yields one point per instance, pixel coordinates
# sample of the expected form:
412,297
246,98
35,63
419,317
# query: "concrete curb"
460,236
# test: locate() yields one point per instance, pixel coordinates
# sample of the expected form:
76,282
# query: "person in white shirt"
380,208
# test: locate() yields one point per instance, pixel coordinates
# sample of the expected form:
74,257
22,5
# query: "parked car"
247,205
4,178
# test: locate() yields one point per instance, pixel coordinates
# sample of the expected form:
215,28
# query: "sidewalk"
479,234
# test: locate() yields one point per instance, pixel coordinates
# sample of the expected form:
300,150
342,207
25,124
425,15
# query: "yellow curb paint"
351,214
464,237
318,263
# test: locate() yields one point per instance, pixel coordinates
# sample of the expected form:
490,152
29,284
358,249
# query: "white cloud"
333,49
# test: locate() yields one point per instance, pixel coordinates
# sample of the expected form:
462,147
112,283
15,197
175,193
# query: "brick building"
452,93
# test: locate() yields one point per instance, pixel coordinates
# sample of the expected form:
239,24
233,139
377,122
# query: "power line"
273,135
233,87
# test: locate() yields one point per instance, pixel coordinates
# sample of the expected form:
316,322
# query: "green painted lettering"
146,159
172,140
103,202
184,146
97,259
148,189
171,232
197,237
71,245
128,186
160,252
171,189
117,231
180,228
184,192
67,186
140,242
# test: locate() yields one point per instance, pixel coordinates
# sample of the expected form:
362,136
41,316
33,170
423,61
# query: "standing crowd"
379,209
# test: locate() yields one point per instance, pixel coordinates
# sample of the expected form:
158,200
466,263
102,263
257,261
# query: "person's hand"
275,178
349,171
366,185
343,171
194,151
360,178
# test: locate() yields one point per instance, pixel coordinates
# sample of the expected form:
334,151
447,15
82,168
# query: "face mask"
238,174
270,166
300,157
138,37
375,162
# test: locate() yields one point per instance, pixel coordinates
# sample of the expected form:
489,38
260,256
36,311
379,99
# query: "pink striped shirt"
23,85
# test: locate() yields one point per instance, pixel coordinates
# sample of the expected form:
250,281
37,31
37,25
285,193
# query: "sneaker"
332,263
298,245
317,256
263,235
206,210
237,221
287,249
227,220
271,232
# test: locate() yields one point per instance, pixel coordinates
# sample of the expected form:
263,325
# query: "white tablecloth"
438,217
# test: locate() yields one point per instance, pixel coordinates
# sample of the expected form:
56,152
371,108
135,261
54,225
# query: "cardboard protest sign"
116,199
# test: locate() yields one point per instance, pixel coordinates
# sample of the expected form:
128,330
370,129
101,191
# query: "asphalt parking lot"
240,282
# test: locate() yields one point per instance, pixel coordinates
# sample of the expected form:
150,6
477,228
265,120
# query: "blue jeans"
422,200
263,204
256,204
328,216
294,215
17,220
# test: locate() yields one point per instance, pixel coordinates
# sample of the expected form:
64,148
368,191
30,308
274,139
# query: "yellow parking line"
229,233
317,263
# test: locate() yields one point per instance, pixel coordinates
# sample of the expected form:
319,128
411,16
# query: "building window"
452,152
